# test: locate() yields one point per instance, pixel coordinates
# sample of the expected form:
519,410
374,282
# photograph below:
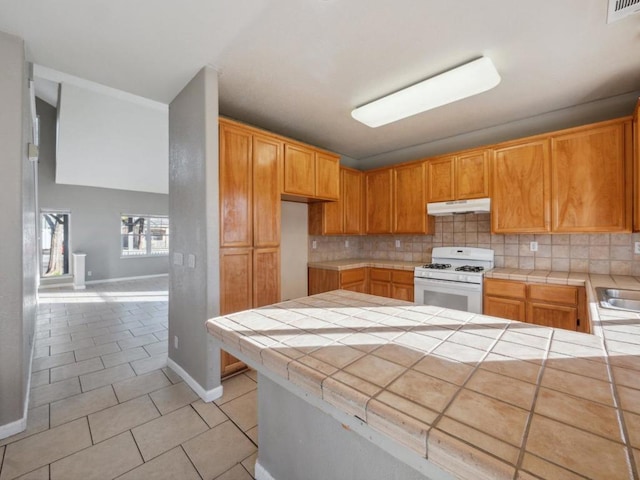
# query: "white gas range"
454,278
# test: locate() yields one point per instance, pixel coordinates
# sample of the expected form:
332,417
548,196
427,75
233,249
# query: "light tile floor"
104,404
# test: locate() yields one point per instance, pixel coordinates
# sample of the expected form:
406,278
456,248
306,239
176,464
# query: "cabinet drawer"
505,288
404,277
554,294
352,276
380,274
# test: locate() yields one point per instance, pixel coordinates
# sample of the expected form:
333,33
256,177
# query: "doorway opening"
54,232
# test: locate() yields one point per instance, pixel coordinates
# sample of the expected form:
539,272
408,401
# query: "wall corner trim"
262,473
205,395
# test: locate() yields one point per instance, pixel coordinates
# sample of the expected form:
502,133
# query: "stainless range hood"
476,205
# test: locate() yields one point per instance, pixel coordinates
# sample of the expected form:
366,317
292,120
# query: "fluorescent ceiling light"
465,81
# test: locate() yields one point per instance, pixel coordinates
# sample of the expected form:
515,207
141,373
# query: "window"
54,246
144,235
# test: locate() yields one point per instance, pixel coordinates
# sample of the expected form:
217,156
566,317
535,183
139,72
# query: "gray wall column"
18,252
194,292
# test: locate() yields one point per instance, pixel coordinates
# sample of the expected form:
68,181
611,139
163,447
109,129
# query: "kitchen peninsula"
442,393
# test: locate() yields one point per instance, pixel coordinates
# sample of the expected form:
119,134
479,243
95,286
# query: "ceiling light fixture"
464,81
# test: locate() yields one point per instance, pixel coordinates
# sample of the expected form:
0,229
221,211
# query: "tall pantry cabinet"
249,222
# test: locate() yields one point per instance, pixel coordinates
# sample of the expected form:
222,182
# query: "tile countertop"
348,264
479,396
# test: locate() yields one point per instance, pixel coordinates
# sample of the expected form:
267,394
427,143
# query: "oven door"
466,297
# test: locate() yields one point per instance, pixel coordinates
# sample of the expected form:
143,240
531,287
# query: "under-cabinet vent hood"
477,205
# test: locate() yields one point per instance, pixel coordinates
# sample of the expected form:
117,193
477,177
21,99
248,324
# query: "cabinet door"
556,316
409,209
379,195
299,167
441,180
508,308
352,201
521,188
472,175
402,292
381,289
236,280
589,171
636,167
266,191
327,176
321,280
266,276
235,187
229,364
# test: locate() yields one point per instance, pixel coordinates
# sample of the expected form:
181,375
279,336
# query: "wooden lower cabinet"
384,282
555,306
249,278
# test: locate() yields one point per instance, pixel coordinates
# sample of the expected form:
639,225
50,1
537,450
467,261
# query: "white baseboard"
20,425
124,279
261,472
205,395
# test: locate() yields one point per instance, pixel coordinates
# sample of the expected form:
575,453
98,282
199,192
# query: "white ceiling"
298,67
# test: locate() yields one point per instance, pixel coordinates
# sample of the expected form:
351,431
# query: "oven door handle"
423,282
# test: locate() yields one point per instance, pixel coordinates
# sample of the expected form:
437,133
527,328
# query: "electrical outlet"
533,246
89,273
178,258
191,259
397,243
314,244
175,342
636,248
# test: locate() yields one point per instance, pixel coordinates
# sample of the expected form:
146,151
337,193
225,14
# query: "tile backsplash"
593,253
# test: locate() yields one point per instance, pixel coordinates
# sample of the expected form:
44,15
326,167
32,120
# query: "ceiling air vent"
621,8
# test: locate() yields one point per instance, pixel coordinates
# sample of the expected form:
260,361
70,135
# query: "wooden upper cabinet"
327,176
441,179
590,179
379,201
472,175
235,186
458,177
267,153
310,173
521,188
344,216
409,206
299,168
352,200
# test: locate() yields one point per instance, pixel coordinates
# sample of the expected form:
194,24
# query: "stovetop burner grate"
470,268
437,266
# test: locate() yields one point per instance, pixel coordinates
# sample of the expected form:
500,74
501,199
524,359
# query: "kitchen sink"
619,299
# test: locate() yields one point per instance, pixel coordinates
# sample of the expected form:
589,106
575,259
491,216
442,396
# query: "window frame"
148,235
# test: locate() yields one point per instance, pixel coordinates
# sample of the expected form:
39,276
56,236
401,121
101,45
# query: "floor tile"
243,410
172,465
235,387
217,450
71,346
156,348
76,369
107,376
168,431
112,337
119,418
147,365
171,398
249,464
209,412
108,459
125,356
140,385
238,472
171,375
52,361
39,378
43,448
37,421
91,352
39,474
55,391
137,341
82,405
252,433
